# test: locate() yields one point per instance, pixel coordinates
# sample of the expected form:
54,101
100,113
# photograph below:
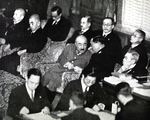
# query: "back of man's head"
34,71
123,88
77,99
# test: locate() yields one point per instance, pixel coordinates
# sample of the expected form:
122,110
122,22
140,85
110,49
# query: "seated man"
99,62
74,58
129,63
30,97
15,36
86,84
57,27
137,40
130,110
37,40
85,30
76,103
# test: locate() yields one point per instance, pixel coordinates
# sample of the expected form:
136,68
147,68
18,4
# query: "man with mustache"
74,58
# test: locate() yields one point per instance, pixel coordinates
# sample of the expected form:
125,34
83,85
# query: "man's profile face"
84,24
17,17
34,24
81,44
55,16
128,59
107,26
89,80
33,82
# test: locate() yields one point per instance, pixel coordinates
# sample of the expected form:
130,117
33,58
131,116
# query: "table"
110,90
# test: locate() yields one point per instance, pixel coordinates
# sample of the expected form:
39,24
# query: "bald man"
16,33
37,40
16,36
74,58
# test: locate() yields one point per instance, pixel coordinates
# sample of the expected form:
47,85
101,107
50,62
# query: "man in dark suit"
85,30
131,109
57,27
76,103
29,98
36,39
112,43
86,85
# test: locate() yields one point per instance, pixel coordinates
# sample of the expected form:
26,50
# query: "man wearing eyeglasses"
112,44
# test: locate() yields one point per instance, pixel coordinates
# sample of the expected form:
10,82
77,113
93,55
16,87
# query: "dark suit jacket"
94,95
36,41
134,111
16,35
19,97
88,34
59,31
80,114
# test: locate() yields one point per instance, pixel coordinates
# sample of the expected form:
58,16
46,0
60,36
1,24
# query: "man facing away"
76,103
28,98
57,27
131,109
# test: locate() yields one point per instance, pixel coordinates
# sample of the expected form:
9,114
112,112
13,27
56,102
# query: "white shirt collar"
56,21
105,34
84,30
29,91
83,85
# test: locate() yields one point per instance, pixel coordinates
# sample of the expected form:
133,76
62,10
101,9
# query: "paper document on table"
62,114
141,91
115,80
103,115
39,116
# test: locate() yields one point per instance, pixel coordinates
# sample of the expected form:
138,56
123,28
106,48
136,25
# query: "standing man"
57,27
85,29
74,58
112,43
30,97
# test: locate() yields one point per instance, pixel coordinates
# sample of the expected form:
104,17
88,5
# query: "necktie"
32,97
85,92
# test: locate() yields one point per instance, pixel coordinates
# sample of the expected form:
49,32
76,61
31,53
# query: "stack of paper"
115,80
142,91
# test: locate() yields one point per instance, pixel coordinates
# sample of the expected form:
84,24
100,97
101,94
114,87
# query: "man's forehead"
84,19
107,21
81,39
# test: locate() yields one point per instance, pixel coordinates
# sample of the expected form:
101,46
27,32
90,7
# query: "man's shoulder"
19,88
74,82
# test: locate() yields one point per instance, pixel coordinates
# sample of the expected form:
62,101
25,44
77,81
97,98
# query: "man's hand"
69,65
78,69
45,110
24,110
21,52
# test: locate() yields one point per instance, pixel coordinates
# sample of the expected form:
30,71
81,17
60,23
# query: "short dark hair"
123,88
89,19
112,20
58,9
77,98
89,73
99,39
142,33
34,71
